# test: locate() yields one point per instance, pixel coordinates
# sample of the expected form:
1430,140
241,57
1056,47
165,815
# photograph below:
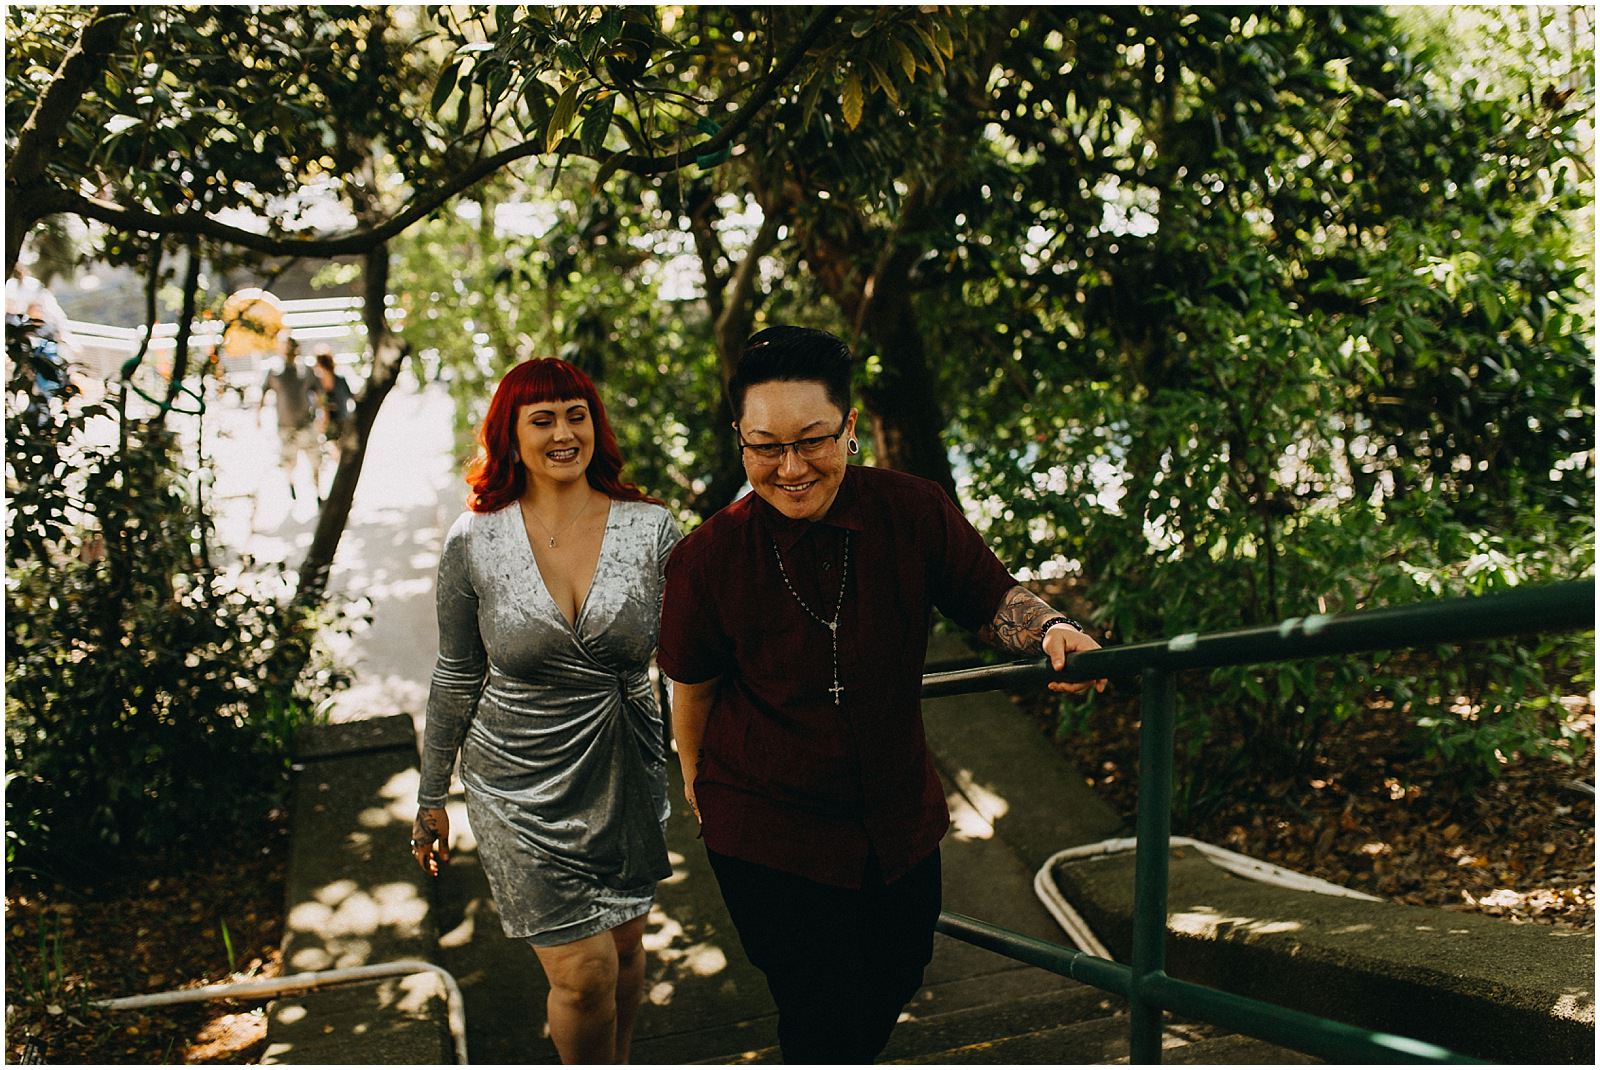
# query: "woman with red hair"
548,599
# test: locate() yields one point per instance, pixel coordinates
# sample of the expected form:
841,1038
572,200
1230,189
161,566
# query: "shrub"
148,702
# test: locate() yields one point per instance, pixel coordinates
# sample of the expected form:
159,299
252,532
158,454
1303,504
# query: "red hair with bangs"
495,477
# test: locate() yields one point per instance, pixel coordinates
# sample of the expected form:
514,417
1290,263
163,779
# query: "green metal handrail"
1558,607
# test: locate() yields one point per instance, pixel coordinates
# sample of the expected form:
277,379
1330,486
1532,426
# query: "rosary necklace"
528,509
832,625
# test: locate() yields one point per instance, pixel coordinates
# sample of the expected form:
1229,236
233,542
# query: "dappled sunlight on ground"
679,955
679,872
974,808
988,802
966,824
462,934
461,837
1206,922
344,918
1578,1006
399,795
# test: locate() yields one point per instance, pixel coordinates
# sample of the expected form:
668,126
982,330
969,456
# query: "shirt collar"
845,513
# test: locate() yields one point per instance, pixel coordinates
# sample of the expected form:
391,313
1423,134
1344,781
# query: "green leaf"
595,125
851,101
941,36
862,27
561,121
536,95
445,86
608,168
1491,306
884,82
930,44
908,62
809,105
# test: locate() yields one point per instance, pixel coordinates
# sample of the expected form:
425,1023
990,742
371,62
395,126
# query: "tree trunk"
733,301
907,421
388,352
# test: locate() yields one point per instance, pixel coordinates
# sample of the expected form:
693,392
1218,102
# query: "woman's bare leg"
583,998
627,938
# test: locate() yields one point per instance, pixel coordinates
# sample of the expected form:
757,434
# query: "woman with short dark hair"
548,598
794,629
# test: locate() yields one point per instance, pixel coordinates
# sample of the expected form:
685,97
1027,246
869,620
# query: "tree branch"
41,134
53,198
40,137
740,303
180,352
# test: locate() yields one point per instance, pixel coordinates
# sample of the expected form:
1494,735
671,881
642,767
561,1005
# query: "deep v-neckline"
594,574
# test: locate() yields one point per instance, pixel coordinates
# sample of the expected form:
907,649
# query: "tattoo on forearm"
1018,625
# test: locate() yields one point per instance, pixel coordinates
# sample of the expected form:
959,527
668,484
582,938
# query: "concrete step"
996,1039
940,1016
1019,1001
1477,985
1231,1049
1099,1040
1001,1018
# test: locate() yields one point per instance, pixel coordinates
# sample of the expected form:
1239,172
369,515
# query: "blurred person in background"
336,402
294,392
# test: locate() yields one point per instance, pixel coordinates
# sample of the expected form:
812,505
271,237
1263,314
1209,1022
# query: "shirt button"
827,565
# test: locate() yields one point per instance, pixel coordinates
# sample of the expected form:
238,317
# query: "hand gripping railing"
1560,607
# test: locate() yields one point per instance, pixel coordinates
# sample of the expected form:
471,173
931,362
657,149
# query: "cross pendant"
837,691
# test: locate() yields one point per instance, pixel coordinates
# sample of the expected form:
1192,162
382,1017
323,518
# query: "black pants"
840,963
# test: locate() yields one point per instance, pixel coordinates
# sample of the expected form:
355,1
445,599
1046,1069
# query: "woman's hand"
688,794
1064,639
430,839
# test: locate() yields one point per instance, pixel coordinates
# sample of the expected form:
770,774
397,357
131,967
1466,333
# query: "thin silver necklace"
528,509
837,690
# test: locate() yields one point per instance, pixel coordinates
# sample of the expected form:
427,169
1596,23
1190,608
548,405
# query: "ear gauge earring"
855,447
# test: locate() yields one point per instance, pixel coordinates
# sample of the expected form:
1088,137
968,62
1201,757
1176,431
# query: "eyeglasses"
809,448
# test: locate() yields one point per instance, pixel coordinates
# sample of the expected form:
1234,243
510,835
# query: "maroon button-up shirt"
788,779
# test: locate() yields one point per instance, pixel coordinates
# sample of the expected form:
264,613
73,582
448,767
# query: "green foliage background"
1214,316
1234,317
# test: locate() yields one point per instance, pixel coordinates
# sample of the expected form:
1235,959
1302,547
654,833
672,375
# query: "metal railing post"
1150,863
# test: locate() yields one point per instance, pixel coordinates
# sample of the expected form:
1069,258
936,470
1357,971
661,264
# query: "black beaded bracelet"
1068,621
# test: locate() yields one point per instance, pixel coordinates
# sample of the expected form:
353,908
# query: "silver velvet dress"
562,754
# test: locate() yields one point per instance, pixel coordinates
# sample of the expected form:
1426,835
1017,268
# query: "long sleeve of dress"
667,537
458,675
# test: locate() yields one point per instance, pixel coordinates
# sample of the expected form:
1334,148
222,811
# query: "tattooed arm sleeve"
1019,623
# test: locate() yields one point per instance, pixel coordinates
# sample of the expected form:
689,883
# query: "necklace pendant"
837,691
552,540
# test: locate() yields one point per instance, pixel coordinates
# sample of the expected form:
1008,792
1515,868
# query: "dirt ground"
215,918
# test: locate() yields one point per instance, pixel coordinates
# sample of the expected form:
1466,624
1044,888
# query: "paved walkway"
410,492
